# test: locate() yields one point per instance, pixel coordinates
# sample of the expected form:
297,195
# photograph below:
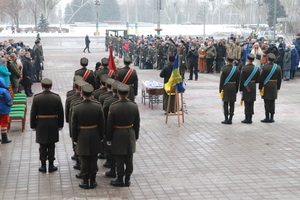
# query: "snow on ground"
218,31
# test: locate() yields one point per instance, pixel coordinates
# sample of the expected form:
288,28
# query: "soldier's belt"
253,81
272,80
130,84
88,127
123,127
231,82
46,116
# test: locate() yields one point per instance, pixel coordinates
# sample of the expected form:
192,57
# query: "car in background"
268,35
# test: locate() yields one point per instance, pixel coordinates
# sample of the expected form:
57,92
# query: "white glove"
241,92
108,143
75,142
41,64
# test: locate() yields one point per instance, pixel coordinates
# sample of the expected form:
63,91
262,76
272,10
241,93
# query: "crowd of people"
21,65
204,56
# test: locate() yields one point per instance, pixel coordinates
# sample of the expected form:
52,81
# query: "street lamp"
159,7
97,3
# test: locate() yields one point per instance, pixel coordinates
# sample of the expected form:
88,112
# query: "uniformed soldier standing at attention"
46,118
103,70
128,76
88,129
86,74
182,59
123,126
249,77
111,161
229,85
270,83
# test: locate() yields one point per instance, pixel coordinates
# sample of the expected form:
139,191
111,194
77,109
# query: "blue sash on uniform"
251,76
230,75
271,73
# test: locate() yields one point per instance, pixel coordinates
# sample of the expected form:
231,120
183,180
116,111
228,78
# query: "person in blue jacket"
5,104
4,73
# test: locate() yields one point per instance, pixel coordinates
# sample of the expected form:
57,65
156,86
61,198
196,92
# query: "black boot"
4,138
250,119
74,157
226,120
43,166
52,168
111,173
118,182
79,175
127,180
272,118
93,182
85,183
101,156
246,120
267,119
230,119
77,165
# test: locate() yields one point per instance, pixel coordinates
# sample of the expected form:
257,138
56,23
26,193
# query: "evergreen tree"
43,25
280,12
109,11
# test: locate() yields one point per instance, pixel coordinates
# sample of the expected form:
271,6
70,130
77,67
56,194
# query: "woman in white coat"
257,52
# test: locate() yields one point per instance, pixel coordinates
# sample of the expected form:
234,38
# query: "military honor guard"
103,70
270,83
250,75
228,88
47,118
128,76
86,74
122,132
87,133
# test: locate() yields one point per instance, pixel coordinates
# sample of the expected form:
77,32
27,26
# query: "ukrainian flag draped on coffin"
175,80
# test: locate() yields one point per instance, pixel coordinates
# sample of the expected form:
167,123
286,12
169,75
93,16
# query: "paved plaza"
201,159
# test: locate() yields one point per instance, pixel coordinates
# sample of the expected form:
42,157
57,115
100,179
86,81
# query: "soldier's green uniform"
182,59
123,126
109,92
88,127
249,91
132,81
143,56
171,50
121,47
88,77
106,42
47,117
111,161
270,88
230,89
102,89
103,70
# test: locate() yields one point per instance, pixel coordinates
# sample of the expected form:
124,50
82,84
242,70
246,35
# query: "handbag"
258,57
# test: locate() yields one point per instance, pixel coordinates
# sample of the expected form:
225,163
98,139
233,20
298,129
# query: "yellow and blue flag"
175,79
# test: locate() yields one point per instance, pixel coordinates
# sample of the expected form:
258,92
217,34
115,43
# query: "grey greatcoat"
231,88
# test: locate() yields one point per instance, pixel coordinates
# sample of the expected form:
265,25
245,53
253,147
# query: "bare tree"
292,24
12,8
46,6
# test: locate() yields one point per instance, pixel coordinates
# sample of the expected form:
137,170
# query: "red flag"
111,64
